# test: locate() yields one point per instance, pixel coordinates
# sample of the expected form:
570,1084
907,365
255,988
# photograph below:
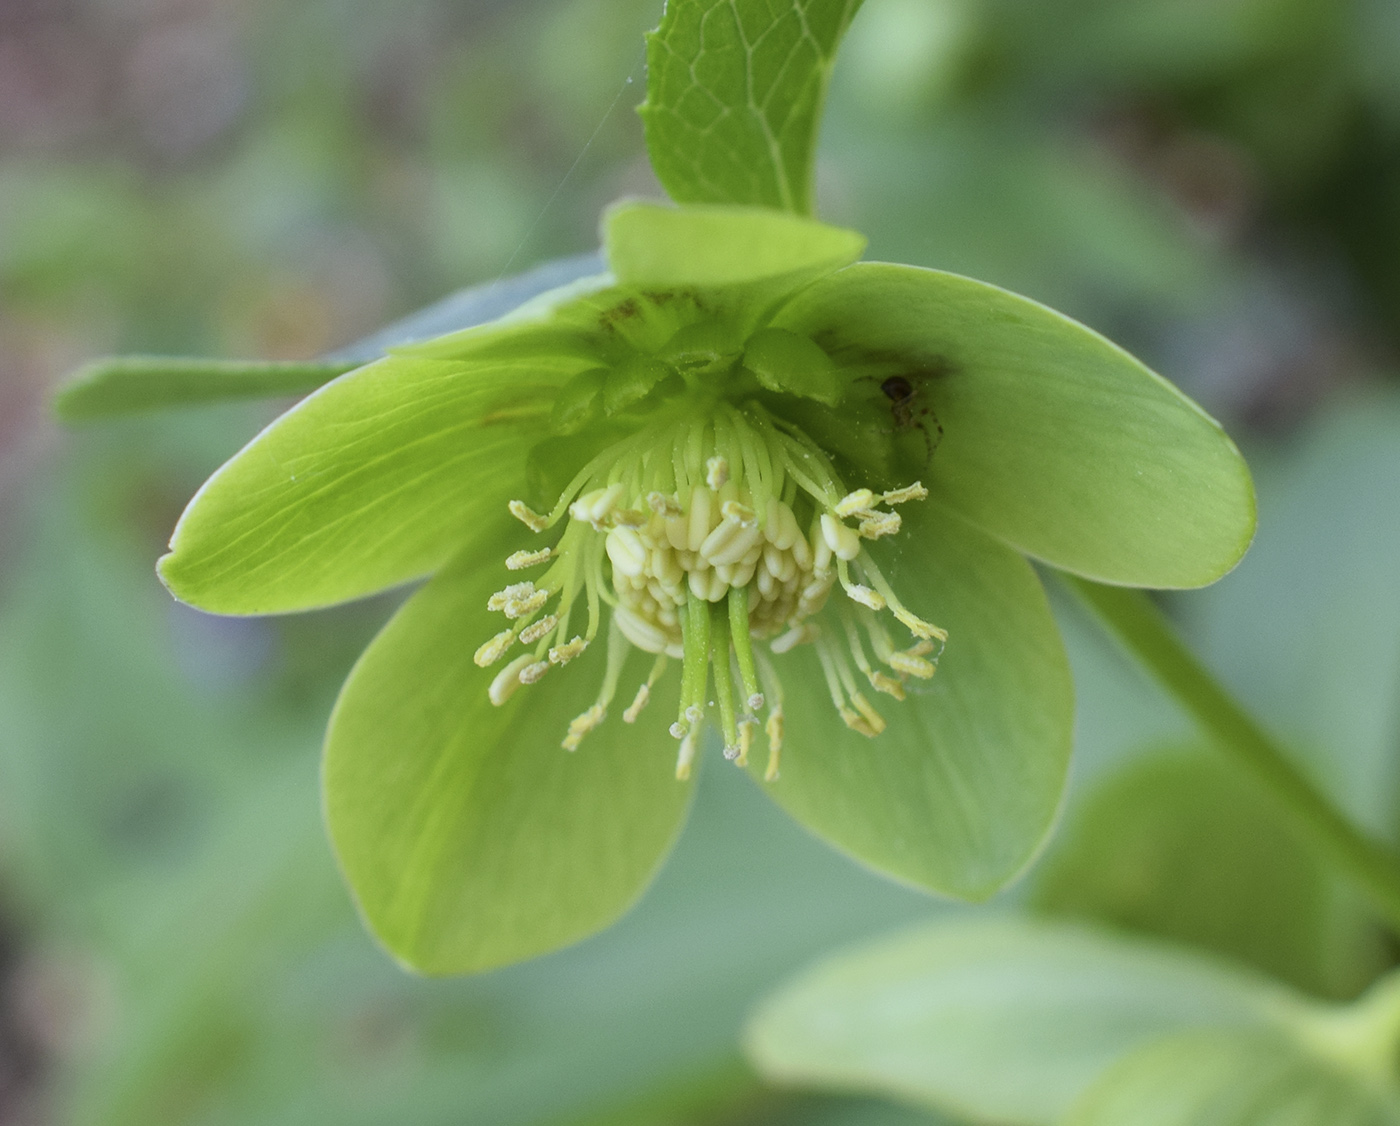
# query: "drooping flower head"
740,483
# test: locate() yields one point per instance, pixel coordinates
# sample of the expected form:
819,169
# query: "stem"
1137,623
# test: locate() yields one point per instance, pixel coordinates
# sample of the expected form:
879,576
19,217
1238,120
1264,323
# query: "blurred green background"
1214,183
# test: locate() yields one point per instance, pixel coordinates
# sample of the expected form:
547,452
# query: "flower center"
706,535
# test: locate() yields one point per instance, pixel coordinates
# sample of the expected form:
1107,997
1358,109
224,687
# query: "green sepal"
652,245
790,364
122,385
470,838
376,479
958,792
1052,438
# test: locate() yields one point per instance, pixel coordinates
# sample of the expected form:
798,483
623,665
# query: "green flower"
741,483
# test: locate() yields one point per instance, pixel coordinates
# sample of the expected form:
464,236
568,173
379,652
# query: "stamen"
794,637
843,541
513,593
531,673
581,725
717,472
507,680
634,709
527,516
916,491
911,665
878,680
686,758
862,500
524,607
542,628
774,730
492,651
519,560
724,688
563,654
663,505
747,726
862,594
880,524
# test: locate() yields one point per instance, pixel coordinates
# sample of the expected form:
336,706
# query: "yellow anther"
858,501
581,725
533,672
871,716
492,651
738,512
530,634
634,709
519,560
911,665
563,654
918,627
880,524
513,593
628,518
886,684
916,491
524,607
527,516
746,730
507,680
686,757
920,649
865,596
774,730
717,472
663,505
855,722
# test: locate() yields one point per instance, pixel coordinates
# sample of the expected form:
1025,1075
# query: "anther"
865,596
746,730
741,514
492,651
880,524
519,560
916,491
634,709
774,730
581,725
507,680
886,684
911,665
871,716
530,634
689,745
523,607
918,627
513,593
859,501
527,516
531,673
563,654
663,505
717,472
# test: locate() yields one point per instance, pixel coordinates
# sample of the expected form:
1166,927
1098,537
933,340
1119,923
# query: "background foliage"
1215,184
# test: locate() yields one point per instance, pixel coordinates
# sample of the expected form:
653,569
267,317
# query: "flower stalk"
1143,630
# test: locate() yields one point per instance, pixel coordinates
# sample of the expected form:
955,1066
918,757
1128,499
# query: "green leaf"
469,837
651,245
374,480
1053,439
131,384
1221,1078
735,90
1000,1020
1180,846
961,788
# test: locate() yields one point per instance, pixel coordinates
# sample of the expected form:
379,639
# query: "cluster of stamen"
704,537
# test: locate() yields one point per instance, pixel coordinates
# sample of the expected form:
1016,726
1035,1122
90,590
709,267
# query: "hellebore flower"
739,483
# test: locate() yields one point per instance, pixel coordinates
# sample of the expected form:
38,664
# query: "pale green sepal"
734,97
376,479
1053,439
1220,1078
653,245
959,791
997,1020
130,384
542,324
471,839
